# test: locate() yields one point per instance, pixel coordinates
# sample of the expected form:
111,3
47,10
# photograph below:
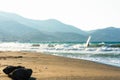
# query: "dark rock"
18,72
21,74
9,69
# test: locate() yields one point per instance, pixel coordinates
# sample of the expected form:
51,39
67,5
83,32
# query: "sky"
83,14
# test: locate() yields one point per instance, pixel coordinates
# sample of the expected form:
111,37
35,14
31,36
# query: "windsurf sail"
87,42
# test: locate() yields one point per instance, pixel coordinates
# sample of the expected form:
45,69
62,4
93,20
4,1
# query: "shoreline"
50,67
85,60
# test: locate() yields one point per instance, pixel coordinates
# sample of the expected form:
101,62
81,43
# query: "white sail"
87,42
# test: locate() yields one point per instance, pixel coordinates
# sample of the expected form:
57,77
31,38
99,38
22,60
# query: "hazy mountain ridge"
16,28
106,34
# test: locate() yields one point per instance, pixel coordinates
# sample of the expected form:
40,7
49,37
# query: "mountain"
16,28
104,35
50,25
15,31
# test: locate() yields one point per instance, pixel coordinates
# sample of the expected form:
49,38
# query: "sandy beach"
48,67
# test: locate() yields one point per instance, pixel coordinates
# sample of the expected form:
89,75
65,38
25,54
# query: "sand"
48,67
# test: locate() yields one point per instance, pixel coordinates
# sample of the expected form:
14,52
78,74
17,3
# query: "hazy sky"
84,14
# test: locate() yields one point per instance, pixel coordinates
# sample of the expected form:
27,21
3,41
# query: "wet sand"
48,67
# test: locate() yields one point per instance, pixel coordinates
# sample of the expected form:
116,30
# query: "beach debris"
18,72
14,57
35,45
46,67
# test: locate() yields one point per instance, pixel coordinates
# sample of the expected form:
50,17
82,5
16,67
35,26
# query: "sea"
100,52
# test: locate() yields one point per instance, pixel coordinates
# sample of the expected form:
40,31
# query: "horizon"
86,15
